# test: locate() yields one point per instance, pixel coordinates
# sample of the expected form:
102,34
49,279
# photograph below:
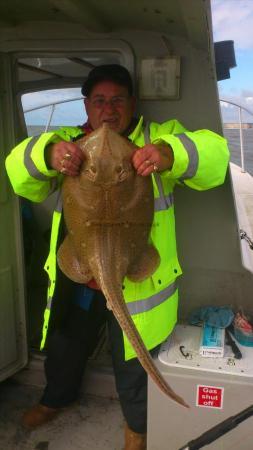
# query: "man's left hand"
153,158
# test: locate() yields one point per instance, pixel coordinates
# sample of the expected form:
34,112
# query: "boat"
168,48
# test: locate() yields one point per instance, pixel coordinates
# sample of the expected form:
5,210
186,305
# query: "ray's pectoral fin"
145,266
69,264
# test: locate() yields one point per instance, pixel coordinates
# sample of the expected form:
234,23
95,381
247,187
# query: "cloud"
230,113
233,20
243,98
247,93
249,100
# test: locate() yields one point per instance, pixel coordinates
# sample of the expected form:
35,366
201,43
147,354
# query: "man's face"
111,103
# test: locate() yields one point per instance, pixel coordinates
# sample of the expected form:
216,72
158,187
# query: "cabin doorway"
32,79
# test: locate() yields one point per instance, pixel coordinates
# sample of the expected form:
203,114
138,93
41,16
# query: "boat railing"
240,123
52,106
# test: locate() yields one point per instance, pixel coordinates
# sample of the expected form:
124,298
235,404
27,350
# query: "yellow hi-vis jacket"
200,162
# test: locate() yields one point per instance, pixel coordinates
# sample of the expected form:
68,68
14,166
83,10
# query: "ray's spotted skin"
108,211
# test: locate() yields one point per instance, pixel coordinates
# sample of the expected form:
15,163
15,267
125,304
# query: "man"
171,154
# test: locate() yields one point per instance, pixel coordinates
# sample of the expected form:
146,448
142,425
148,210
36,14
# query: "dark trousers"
68,351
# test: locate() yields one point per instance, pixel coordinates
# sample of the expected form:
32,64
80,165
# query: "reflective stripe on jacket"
200,161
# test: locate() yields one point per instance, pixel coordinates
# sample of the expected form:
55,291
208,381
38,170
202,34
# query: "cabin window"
50,109
51,88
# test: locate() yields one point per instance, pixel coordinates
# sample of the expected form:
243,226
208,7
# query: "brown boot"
38,415
134,441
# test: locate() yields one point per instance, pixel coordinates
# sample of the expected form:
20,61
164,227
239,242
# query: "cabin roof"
179,18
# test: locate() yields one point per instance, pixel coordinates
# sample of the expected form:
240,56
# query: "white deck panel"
242,183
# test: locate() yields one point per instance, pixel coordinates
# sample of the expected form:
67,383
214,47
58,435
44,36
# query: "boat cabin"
47,48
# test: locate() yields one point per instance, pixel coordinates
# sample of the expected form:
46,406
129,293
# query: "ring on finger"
155,167
63,170
67,156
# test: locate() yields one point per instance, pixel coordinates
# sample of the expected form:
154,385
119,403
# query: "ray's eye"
93,169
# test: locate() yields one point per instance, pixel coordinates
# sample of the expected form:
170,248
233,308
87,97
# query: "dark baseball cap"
108,72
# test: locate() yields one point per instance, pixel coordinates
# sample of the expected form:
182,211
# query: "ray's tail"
115,302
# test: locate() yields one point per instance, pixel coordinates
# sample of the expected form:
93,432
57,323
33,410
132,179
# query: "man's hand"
65,157
153,158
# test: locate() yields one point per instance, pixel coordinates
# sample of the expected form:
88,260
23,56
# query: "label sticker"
209,396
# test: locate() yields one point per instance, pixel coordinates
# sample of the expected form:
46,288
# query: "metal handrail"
240,128
46,105
74,99
52,108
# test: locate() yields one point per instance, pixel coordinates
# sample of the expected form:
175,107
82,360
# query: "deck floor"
93,423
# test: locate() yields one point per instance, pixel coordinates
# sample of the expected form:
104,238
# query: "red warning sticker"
209,396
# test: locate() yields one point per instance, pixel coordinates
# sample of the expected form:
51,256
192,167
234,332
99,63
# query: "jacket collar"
137,130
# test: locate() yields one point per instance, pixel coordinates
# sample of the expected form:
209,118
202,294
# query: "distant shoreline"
237,125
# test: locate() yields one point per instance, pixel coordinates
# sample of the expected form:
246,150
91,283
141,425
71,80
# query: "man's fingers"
71,152
72,172
146,160
70,167
146,168
70,158
74,160
63,155
145,157
143,166
139,157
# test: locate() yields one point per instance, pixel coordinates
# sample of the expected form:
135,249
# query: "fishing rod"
219,430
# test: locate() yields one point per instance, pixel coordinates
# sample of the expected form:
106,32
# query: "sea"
233,138
231,134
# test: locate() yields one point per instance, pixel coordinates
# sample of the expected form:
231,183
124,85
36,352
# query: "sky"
232,20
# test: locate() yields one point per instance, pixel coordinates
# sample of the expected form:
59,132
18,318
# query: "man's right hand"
65,157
